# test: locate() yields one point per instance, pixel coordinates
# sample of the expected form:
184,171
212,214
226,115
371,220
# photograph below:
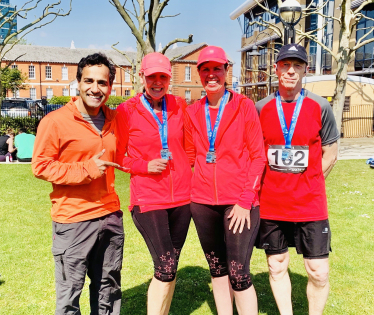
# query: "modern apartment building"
6,9
51,71
256,82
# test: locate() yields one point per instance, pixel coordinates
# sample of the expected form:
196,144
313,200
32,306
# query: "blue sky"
96,24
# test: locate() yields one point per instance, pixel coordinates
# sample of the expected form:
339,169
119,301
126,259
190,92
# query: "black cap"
292,51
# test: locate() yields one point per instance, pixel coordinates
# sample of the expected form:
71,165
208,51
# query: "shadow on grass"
266,302
2,282
192,290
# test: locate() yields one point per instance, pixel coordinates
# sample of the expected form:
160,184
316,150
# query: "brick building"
51,71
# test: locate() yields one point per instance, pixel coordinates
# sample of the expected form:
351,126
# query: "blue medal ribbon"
288,133
162,127
212,134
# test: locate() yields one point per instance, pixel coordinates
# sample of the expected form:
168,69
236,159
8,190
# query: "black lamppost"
290,14
255,52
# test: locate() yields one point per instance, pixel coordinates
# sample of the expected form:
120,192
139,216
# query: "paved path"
356,148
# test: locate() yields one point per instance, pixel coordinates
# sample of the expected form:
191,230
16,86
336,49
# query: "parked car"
21,107
50,108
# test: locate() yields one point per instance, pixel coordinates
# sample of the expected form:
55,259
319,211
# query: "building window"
14,67
249,60
65,92
64,73
113,93
127,92
16,93
48,72
328,10
127,77
187,73
31,72
33,93
365,54
49,93
203,93
187,95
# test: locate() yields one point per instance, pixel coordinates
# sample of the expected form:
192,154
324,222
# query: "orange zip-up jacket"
139,142
64,146
236,177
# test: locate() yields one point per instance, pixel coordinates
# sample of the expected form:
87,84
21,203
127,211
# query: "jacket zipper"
171,184
215,182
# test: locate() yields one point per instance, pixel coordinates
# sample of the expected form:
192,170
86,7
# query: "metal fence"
358,121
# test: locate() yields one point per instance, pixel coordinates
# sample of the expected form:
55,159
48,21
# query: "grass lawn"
27,269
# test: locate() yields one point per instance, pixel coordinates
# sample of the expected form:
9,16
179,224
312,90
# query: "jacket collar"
171,107
197,115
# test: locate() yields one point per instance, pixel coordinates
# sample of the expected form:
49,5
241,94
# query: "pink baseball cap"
212,53
155,62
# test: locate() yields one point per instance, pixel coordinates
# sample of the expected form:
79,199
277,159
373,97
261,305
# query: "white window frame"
187,73
48,72
187,95
33,93
32,72
49,95
64,73
16,93
127,92
14,66
113,92
65,92
127,76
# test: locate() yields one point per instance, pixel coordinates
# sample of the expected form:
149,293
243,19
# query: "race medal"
211,157
166,154
287,155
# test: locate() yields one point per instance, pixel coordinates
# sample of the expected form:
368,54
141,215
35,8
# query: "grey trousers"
95,248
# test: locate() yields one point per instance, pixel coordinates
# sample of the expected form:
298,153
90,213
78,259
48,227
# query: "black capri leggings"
164,232
226,253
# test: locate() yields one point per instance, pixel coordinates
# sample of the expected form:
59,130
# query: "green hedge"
113,101
27,123
59,100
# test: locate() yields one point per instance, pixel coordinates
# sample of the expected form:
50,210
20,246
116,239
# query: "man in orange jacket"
74,150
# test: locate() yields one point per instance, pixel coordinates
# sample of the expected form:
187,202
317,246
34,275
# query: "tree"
14,36
348,20
12,80
145,30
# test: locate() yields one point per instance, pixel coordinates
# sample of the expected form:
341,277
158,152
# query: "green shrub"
114,101
28,123
59,100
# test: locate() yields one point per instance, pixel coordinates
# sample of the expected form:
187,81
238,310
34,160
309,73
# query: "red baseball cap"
212,53
155,62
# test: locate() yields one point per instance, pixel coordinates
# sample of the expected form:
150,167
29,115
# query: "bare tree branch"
122,53
169,16
362,5
177,40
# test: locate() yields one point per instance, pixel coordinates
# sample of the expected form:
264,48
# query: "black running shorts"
312,239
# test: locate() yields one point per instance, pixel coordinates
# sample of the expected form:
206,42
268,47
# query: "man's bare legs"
280,281
318,284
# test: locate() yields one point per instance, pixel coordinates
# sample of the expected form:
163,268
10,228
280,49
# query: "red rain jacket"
236,177
139,142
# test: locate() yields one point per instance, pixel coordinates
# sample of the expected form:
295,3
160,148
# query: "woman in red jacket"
151,149
229,161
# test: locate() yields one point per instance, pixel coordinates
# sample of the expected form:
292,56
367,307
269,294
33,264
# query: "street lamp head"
290,12
254,51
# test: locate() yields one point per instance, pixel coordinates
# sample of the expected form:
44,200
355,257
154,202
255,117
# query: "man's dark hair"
96,59
21,130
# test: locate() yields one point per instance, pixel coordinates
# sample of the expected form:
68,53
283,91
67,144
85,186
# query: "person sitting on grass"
24,142
6,144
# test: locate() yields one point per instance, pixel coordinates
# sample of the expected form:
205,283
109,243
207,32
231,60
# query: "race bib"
294,160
